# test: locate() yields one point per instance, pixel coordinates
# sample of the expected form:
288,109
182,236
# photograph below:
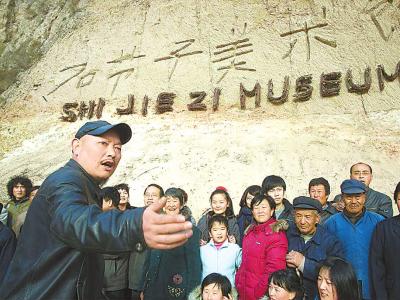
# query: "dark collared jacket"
287,213
317,249
327,212
384,261
58,255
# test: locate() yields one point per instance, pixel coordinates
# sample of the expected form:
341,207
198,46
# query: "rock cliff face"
236,90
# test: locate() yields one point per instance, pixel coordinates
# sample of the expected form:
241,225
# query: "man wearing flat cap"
309,243
354,228
58,255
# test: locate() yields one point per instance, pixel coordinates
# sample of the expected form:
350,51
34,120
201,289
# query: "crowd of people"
309,248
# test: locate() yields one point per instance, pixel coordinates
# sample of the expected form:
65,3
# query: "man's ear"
75,145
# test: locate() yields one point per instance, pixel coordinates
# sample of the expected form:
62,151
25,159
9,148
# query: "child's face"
219,204
212,292
219,232
173,206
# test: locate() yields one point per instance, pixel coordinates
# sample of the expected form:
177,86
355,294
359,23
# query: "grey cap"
97,128
352,186
307,203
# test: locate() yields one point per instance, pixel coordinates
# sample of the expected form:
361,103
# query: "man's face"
19,191
98,155
123,196
354,203
318,192
277,193
361,173
306,220
219,232
151,195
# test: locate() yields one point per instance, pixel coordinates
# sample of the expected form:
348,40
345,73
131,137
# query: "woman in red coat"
264,250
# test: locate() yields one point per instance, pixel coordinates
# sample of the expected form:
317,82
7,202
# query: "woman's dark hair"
220,281
123,186
320,181
185,196
229,210
258,198
289,280
396,192
273,181
110,193
343,277
252,190
25,181
156,186
217,219
176,193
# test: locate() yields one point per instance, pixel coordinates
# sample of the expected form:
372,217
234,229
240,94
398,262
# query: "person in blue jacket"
309,243
354,228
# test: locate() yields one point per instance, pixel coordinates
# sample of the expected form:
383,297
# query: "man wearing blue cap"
354,227
309,243
58,255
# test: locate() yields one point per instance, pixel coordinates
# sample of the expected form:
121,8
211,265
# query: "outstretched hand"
163,231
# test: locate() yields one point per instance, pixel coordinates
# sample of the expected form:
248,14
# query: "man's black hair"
320,181
360,163
23,180
273,181
157,186
110,193
123,186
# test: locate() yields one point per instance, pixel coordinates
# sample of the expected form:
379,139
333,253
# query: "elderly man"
354,227
319,189
309,244
59,252
384,259
375,201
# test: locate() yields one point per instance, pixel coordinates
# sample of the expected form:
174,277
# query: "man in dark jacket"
59,252
376,202
309,243
319,188
384,262
275,187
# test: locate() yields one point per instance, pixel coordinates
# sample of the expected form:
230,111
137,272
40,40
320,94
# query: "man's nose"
111,151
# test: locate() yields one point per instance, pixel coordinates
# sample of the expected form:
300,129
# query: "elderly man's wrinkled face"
19,191
151,195
306,220
98,155
354,203
361,173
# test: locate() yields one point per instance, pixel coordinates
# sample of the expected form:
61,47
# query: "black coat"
58,255
322,245
174,273
8,242
384,260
